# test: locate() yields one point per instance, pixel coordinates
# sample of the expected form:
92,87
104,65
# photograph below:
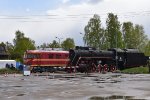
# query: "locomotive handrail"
78,60
91,57
96,57
73,58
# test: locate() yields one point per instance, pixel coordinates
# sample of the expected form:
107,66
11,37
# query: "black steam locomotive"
86,59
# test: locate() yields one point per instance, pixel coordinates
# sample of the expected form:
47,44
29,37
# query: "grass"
9,71
137,70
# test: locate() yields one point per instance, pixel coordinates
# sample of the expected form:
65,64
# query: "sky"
44,20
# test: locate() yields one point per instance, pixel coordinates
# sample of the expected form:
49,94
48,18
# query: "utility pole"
149,65
116,52
82,38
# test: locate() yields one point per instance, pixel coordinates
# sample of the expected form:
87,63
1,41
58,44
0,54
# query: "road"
62,86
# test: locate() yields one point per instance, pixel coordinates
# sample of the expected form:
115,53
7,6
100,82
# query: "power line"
75,17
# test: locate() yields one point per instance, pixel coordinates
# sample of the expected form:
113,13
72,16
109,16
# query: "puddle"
60,76
69,77
113,97
96,79
105,80
20,94
16,86
137,99
100,87
115,76
115,81
89,76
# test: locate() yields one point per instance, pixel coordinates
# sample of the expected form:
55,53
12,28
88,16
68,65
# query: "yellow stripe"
51,65
50,60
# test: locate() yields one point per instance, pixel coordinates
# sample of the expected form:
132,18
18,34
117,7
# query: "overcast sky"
43,20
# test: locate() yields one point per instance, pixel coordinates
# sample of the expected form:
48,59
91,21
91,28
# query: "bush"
9,71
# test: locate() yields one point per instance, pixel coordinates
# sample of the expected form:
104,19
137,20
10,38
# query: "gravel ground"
62,86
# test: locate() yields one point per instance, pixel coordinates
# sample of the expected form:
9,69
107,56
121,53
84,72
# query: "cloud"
70,20
65,1
27,10
82,12
94,1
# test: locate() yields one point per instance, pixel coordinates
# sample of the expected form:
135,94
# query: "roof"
43,51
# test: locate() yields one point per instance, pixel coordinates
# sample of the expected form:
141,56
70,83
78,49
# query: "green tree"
147,49
3,45
141,39
68,43
44,45
134,36
94,33
54,44
128,33
114,35
3,51
10,49
21,44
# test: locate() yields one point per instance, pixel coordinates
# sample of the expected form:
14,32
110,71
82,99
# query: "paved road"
93,86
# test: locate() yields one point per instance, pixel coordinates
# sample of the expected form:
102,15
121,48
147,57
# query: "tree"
134,36
44,45
140,37
3,51
114,35
3,45
68,43
94,33
9,48
147,49
21,44
54,44
128,33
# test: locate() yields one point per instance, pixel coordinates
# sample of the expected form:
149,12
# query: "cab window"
31,56
50,56
58,56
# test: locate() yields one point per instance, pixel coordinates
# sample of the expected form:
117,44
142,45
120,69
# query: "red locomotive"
41,61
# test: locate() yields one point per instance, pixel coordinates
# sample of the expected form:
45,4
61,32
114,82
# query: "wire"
69,17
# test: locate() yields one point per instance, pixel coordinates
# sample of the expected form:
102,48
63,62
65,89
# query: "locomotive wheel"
99,68
112,68
106,69
93,67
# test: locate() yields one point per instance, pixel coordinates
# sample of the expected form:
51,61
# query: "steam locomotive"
84,59
90,59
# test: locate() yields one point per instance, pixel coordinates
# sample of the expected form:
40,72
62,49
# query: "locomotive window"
30,56
33,56
58,56
50,56
37,56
